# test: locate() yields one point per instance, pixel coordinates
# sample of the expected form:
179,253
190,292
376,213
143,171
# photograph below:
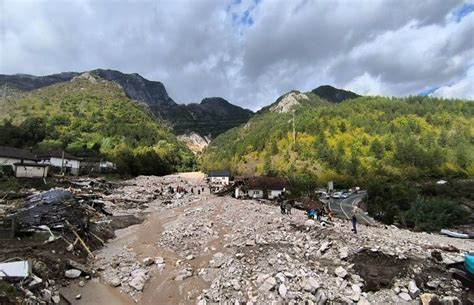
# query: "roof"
16,153
30,164
221,173
266,183
59,154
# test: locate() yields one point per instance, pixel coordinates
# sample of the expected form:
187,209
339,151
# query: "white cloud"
248,51
464,88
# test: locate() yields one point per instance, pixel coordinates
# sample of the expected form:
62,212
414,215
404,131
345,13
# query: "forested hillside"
350,142
89,116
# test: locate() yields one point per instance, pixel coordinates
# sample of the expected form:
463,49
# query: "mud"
378,269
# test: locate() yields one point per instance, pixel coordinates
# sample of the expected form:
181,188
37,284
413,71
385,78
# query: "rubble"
211,250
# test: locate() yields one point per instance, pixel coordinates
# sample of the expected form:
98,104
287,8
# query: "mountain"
334,95
90,116
350,141
209,118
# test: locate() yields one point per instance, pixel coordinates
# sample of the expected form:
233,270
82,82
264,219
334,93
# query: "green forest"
91,118
350,142
376,142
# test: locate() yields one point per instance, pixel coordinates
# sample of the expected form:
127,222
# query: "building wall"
274,194
255,194
67,162
220,180
31,171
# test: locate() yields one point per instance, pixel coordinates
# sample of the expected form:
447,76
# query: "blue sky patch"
463,11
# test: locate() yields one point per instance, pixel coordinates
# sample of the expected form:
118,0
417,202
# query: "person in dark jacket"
354,223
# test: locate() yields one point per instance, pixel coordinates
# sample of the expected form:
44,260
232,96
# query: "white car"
337,195
345,195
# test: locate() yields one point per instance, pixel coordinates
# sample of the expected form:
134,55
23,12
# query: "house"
9,156
64,160
106,165
30,170
221,177
262,187
97,165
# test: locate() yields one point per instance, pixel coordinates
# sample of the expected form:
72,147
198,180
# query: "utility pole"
294,132
62,163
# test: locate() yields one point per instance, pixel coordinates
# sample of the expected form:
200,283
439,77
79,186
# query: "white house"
30,170
262,187
107,165
9,156
60,159
219,177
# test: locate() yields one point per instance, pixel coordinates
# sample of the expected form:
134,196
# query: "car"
345,195
337,195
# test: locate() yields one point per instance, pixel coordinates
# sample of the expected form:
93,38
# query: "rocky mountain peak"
334,95
153,93
288,101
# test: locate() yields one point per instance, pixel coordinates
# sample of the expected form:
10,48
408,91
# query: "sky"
250,51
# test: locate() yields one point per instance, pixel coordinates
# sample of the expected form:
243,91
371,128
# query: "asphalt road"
342,208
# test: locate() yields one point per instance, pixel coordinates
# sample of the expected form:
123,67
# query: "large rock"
343,252
72,273
310,284
310,223
138,279
184,274
79,266
268,284
404,296
413,289
340,272
282,290
428,299
218,259
148,261
324,246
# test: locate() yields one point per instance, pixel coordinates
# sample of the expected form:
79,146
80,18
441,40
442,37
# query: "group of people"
315,213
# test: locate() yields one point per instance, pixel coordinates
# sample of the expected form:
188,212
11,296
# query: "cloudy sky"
249,51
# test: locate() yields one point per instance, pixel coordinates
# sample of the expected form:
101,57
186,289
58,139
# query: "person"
282,207
354,224
311,213
288,208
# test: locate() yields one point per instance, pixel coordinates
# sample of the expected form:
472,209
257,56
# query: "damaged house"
60,159
261,187
23,163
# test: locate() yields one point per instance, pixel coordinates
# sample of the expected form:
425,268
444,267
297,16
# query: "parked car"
345,195
337,195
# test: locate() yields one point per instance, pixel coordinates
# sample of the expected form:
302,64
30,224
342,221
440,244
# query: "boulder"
413,289
72,273
310,284
268,284
404,296
429,298
343,252
310,223
115,282
75,265
148,261
282,290
159,260
340,272
184,274
138,279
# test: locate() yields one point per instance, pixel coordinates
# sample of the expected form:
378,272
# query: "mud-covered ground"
203,249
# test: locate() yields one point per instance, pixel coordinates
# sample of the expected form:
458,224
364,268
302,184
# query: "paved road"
342,208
